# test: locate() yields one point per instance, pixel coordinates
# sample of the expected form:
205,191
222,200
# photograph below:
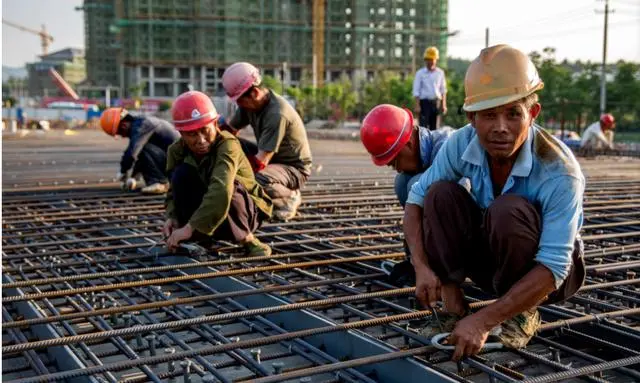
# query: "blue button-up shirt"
430,143
545,173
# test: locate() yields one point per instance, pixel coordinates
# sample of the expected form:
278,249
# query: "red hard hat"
192,110
607,119
238,78
385,130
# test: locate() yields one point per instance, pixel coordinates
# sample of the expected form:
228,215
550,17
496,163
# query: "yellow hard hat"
431,53
499,75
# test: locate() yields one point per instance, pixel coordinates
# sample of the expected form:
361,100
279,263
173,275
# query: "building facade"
160,48
69,63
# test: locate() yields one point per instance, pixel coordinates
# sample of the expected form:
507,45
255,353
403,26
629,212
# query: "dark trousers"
188,190
278,180
494,248
151,163
429,110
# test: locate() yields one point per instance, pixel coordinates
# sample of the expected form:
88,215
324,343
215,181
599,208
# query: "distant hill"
15,72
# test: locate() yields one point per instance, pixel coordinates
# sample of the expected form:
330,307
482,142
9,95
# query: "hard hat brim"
195,125
497,101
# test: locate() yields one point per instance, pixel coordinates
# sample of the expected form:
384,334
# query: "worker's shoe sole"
157,188
290,209
432,328
518,331
256,248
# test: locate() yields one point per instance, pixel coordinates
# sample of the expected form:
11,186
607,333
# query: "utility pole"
486,37
603,75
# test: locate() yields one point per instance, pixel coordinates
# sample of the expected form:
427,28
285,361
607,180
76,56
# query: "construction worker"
146,153
515,234
430,90
392,138
214,194
599,135
282,157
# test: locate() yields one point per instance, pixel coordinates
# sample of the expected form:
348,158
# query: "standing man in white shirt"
599,135
430,90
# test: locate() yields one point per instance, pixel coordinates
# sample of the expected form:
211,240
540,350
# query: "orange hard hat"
238,78
192,110
607,119
498,76
385,130
110,120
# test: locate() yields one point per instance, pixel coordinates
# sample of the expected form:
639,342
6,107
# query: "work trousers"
495,248
188,190
277,180
429,110
151,163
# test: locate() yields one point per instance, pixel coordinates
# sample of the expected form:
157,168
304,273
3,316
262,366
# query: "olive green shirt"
218,169
278,129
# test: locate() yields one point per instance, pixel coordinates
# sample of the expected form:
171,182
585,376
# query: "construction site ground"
90,294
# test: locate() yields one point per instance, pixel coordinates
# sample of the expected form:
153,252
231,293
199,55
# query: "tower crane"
45,38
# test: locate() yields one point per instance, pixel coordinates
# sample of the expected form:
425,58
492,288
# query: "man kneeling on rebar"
213,192
392,138
515,234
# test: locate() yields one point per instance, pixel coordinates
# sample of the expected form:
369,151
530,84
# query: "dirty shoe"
448,321
517,331
290,207
255,248
157,188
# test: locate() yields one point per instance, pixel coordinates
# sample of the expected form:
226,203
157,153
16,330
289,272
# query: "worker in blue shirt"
393,138
515,234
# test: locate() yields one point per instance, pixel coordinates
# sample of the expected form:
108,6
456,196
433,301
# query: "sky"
571,26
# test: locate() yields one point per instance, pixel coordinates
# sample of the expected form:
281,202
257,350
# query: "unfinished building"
159,48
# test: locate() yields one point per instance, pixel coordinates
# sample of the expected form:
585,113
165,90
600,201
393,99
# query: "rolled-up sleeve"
416,85
561,206
444,168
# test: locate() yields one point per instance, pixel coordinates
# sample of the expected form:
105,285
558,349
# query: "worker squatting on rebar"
393,138
213,192
282,157
146,154
515,232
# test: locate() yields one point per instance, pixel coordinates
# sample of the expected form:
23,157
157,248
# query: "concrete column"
152,88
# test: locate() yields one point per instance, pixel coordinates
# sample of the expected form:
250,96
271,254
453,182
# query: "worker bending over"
515,234
282,157
599,135
430,90
146,154
391,136
213,190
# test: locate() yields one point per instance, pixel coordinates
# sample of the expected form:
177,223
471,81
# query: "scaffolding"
280,36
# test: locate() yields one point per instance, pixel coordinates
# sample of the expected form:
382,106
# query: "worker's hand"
168,227
469,336
129,184
416,109
444,110
178,236
427,286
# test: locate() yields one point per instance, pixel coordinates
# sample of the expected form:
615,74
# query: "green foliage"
334,101
272,83
164,106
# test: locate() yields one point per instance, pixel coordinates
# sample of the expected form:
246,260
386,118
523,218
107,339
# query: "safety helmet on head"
431,53
607,119
238,78
499,75
385,130
111,118
192,110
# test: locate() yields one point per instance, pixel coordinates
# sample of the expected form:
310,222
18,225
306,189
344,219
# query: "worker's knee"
511,216
441,194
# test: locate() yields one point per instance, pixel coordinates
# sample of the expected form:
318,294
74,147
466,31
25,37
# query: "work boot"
518,331
432,328
156,188
255,248
290,207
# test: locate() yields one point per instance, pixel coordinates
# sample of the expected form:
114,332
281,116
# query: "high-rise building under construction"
160,48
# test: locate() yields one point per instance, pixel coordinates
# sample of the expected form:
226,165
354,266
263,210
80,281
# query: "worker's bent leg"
243,219
151,163
451,227
403,184
279,180
187,190
425,109
513,227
